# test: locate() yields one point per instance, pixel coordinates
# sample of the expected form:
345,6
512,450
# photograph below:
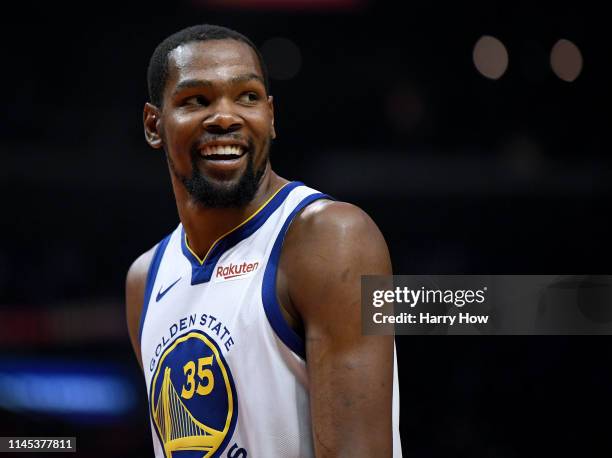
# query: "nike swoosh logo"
161,293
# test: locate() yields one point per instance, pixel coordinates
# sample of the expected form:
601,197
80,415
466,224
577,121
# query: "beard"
210,194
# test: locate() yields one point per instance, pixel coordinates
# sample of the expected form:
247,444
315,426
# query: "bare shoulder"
134,295
331,212
328,247
340,231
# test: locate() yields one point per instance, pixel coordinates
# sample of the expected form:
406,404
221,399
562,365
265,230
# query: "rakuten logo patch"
235,271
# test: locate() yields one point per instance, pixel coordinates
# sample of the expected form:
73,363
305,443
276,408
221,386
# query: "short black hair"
157,74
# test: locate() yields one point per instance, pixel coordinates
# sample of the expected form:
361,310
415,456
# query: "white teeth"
222,150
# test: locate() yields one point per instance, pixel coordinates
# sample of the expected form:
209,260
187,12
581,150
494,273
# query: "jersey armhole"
151,275
270,302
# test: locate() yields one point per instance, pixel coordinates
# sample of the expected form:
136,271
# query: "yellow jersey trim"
202,261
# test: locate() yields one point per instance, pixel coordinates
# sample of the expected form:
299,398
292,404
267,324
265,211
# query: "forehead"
213,60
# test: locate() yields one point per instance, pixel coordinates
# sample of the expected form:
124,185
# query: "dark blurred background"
477,137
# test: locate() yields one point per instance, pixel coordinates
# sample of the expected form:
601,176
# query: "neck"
204,225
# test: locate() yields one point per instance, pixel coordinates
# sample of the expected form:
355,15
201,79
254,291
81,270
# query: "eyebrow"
192,83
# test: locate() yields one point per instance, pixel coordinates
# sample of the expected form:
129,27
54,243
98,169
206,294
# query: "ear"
271,106
151,120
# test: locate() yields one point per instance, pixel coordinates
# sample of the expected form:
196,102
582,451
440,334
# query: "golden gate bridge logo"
194,405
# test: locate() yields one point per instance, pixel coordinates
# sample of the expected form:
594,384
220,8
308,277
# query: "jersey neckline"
202,269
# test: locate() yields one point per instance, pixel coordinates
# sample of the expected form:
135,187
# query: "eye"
249,98
197,100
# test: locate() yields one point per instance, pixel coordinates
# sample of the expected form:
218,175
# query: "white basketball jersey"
225,373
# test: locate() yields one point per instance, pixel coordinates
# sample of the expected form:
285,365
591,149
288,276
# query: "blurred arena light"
566,60
75,391
490,57
61,324
283,58
284,5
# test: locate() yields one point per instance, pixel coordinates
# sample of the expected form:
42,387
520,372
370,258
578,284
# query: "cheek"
180,131
262,127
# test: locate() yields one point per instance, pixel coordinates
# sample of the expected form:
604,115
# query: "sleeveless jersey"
225,373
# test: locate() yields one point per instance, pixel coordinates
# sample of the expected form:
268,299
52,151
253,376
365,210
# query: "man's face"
217,121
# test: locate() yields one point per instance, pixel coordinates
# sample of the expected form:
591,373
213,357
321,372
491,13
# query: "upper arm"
134,297
327,250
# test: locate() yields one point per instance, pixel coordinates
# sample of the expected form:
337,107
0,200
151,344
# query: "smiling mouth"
222,152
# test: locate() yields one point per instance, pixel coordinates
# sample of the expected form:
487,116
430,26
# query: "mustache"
227,137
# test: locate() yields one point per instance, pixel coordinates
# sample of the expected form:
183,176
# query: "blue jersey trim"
268,291
202,272
153,268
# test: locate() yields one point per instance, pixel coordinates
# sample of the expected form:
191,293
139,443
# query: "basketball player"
246,318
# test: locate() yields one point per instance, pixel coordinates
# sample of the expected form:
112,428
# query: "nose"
222,120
